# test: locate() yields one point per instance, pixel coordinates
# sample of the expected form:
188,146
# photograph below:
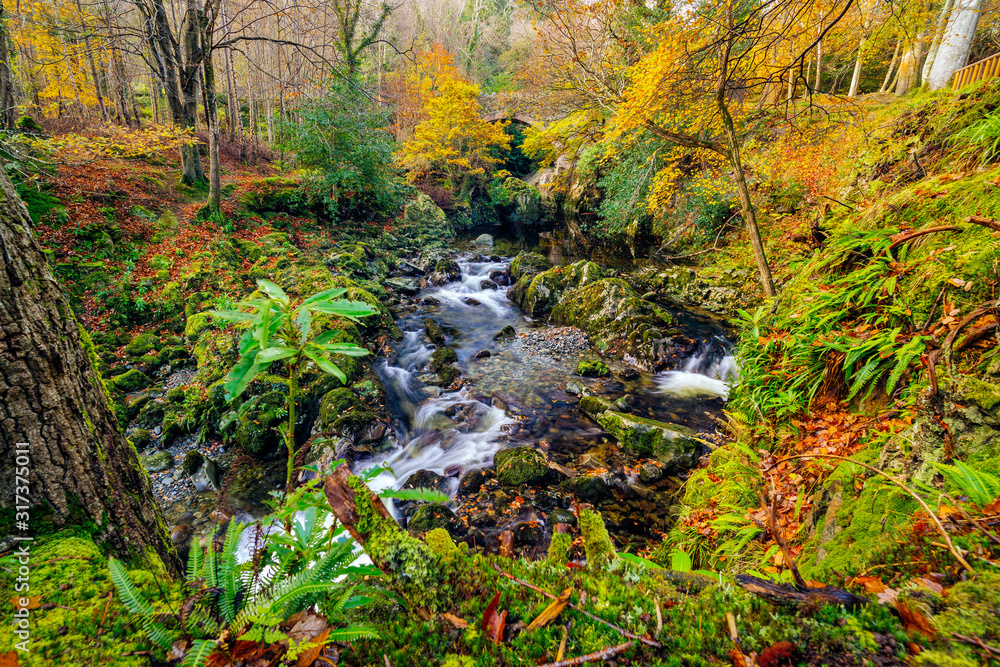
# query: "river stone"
469,301
206,478
499,277
471,482
407,286
560,515
484,239
158,462
426,479
434,331
433,515
506,333
482,354
133,380
592,488
520,465
485,284
140,438
443,355
538,294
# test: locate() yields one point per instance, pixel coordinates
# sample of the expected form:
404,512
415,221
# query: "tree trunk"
81,470
892,68
733,155
908,76
956,43
212,111
937,37
856,77
8,105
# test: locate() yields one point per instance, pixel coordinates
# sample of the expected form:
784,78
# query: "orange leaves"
493,622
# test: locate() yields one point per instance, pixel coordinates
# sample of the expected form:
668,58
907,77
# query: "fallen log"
790,595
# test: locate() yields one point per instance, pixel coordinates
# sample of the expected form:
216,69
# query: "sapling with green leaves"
280,330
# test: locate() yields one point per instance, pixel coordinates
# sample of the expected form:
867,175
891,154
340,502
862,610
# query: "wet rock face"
520,465
538,294
619,322
672,445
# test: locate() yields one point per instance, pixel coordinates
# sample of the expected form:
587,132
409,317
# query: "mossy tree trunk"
81,468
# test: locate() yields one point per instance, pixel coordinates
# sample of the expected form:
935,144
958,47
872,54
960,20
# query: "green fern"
982,488
198,654
137,604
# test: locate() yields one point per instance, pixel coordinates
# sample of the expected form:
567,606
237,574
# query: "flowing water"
519,393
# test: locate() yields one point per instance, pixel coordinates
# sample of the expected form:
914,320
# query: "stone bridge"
513,106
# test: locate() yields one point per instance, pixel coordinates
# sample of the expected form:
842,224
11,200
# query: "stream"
526,392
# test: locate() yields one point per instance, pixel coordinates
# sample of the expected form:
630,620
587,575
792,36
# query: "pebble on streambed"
560,339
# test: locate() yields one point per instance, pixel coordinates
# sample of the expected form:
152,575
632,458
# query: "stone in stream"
158,462
619,321
434,331
484,239
445,271
506,333
431,301
592,488
560,515
433,515
206,477
672,445
520,465
469,301
527,263
443,355
592,369
485,283
538,294
482,354
407,286
500,277
471,482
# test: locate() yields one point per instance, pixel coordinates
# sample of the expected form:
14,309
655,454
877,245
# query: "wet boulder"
527,263
538,294
443,355
507,333
405,286
432,516
140,438
619,322
672,445
446,270
424,223
500,277
592,369
132,381
592,488
520,465
472,481
485,284
434,331
484,240
158,461
257,424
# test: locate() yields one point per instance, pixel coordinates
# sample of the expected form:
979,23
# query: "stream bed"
524,390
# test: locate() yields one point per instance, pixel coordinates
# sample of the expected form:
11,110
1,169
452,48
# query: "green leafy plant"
982,488
980,142
304,562
282,331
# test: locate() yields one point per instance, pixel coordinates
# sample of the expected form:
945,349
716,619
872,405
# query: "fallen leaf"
459,623
33,602
871,584
9,659
914,620
310,656
550,613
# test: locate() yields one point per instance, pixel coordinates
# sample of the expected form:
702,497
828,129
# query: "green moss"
140,438
192,461
527,263
559,547
440,543
133,380
596,541
84,625
196,324
973,608
520,465
258,423
443,355
538,294
593,369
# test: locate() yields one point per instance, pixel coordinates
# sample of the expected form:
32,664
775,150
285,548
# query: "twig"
934,306
976,641
644,640
772,521
950,340
597,656
951,547
839,202
909,236
990,536
976,336
985,222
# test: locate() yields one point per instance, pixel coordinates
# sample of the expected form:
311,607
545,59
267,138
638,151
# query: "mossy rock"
158,461
446,375
159,262
335,404
256,427
527,263
619,322
520,465
247,249
424,223
592,488
537,294
507,333
151,414
593,369
192,461
431,516
140,438
443,355
132,381
175,395
973,608
196,324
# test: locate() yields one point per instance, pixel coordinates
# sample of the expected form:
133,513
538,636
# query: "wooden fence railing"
984,69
